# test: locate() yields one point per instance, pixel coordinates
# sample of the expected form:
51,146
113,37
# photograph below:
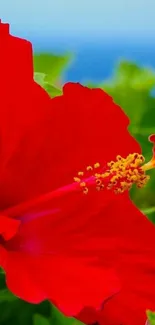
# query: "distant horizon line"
82,37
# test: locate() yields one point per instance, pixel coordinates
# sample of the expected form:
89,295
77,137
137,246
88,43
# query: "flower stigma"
118,175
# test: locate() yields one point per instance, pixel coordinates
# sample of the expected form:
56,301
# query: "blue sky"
98,32
82,18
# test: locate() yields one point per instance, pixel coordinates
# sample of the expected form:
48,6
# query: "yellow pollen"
89,168
80,173
97,165
85,190
119,175
82,184
100,187
97,175
77,179
98,182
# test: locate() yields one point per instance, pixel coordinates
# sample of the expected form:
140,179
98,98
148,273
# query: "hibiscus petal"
44,141
8,227
70,283
127,308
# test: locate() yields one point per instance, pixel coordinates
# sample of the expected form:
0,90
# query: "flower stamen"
119,175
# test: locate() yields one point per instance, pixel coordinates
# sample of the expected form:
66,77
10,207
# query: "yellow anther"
136,171
97,165
98,182
120,175
98,175
85,190
82,184
80,173
89,168
114,178
133,178
106,174
124,172
142,158
77,179
100,188
118,157
110,164
118,191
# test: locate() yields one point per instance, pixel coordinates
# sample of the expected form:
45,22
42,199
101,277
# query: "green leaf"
130,88
40,320
39,77
52,90
127,70
18,312
59,318
51,65
138,77
149,210
151,317
132,101
6,295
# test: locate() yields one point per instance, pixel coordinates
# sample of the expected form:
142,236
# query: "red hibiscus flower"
85,253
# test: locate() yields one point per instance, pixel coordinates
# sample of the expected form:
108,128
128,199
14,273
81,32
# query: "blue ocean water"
96,60
99,62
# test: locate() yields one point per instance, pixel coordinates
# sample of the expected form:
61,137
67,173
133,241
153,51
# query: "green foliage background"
131,87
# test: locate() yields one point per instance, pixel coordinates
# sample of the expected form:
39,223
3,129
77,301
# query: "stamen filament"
119,176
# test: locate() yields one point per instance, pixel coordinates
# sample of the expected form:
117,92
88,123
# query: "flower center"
118,175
